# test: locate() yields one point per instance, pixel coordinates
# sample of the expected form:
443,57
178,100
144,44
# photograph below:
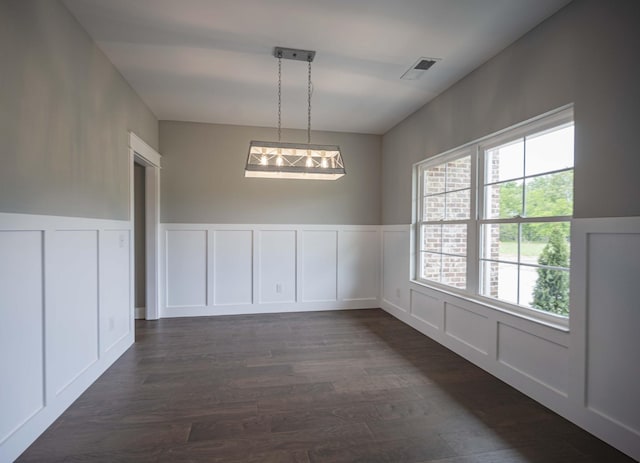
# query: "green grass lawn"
526,248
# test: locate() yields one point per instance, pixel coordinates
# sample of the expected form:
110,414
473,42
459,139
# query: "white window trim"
476,150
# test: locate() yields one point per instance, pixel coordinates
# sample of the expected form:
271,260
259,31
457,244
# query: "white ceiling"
211,60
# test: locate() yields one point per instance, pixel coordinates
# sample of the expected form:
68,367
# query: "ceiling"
212,60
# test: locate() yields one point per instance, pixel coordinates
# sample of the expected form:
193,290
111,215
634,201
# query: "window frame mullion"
473,239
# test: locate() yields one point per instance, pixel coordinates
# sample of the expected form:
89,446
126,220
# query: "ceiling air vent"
418,68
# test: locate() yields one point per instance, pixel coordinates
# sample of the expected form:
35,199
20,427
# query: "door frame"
143,154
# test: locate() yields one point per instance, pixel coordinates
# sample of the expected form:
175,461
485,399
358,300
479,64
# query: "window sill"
549,321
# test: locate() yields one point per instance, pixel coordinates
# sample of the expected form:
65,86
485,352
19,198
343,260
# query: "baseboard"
253,309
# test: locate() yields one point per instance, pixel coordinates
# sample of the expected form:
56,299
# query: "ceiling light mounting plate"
294,53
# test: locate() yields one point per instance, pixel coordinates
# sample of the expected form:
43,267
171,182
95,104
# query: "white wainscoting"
66,308
319,266
241,269
590,373
276,261
65,316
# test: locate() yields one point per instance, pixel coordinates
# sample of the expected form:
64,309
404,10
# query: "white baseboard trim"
253,309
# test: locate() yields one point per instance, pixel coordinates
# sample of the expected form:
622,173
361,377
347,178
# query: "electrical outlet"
121,240
398,292
278,288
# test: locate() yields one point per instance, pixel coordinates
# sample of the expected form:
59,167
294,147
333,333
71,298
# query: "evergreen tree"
551,292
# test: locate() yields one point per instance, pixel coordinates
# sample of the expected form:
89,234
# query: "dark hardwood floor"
340,386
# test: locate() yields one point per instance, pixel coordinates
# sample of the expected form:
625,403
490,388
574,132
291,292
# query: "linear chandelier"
294,160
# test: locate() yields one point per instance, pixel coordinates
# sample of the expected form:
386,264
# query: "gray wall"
65,113
203,179
586,54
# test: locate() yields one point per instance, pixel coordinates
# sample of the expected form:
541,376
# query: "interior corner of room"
124,204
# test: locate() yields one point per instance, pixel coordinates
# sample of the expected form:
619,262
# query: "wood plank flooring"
343,386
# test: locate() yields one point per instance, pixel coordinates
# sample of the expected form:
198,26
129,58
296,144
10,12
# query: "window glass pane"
454,239
458,203
499,281
548,151
489,279
432,238
505,162
550,291
431,266
434,179
545,244
503,200
528,276
459,174
454,271
549,195
500,242
434,208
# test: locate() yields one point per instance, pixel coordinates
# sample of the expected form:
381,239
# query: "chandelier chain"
279,96
309,105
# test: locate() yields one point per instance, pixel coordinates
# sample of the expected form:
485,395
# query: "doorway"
144,216
140,241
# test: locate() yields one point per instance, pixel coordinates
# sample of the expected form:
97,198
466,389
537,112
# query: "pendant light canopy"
294,160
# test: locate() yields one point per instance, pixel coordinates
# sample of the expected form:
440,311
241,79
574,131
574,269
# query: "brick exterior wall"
447,187
494,251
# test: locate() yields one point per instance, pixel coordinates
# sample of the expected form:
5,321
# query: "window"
494,217
446,212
